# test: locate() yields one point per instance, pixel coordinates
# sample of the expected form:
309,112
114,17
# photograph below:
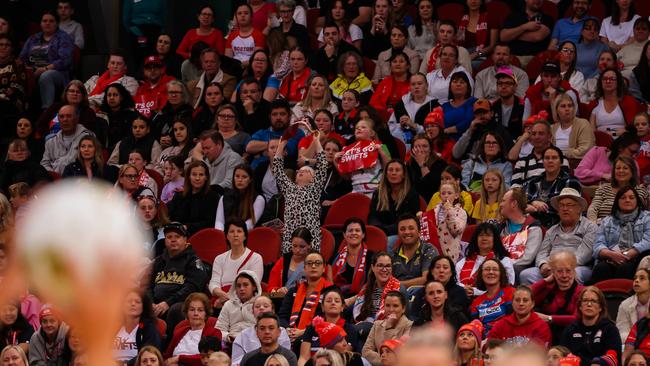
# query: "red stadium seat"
265,241
423,204
642,7
603,139
549,8
312,18
208,244
54,175
161,327
160,182
401,148
350,205
451,11
499,11
376,239
534,67
618,285
369,67
327,244
467,234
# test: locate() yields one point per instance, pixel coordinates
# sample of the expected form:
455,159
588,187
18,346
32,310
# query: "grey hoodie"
43,354
236,316
222,168
58,153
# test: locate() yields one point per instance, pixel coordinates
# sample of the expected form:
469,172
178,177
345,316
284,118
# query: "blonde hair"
559,99
278,357
20,351
482,209
6,214
307,102
20,189
384,189
333,357
218,358
456,188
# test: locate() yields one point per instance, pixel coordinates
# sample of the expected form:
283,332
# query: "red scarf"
359,269
481,29
392,285
433,58
429,229
466,276
305,313
104,81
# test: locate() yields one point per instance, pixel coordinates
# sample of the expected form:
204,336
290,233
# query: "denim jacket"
610,230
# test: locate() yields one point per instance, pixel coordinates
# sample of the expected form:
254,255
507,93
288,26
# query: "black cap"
552,67
175,226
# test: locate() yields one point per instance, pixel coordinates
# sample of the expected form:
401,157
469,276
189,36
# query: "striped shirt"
603,201
528,167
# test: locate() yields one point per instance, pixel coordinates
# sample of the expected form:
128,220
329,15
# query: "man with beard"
152,93
485,85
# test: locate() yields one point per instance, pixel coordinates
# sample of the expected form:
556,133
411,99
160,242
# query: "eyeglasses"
383,267
567,205
313,263
227,117
172,92
591,302
609,79
73,91
568,50
490,269
130,176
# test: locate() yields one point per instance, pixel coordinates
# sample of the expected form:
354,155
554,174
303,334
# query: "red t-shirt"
214,40
644,346
294,89
261,16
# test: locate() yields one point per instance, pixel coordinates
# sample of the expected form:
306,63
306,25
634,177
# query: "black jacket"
258,120
515,123
327,66
429,184
591,342
28,171
174,278
196,211
77,169
387,220
146,335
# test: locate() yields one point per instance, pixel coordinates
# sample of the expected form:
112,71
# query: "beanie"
392,344
610,358
46,310
436,117
329,334
476,327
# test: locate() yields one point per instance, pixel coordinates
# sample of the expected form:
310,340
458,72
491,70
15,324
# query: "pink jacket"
592,167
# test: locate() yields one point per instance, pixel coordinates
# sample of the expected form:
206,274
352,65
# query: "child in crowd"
174,180
366,180
452,174
492,190
451,220
642,126
19,197
345,120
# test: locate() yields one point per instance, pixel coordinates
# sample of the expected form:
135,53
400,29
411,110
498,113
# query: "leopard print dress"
302,205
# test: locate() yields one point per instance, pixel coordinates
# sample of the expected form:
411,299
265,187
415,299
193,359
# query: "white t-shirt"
604,120
125,347
526,149
562,138
189,344
620,33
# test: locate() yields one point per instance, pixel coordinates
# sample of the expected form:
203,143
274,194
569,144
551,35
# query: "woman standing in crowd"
227,265
302,197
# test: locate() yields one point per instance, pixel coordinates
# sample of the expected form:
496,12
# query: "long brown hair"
384,190
187,185
245,198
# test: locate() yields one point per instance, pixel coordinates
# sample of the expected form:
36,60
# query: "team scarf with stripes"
305,313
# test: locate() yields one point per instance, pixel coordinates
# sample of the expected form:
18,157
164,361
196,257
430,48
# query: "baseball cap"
551,67
505,72
482,104
153,60
175,226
